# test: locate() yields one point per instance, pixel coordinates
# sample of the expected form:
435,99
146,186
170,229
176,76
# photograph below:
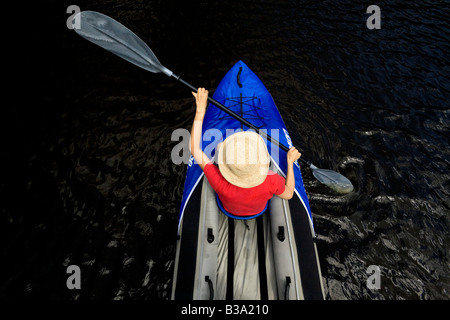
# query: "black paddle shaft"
116,38
241,119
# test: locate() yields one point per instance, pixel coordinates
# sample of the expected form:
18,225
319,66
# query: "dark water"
86,175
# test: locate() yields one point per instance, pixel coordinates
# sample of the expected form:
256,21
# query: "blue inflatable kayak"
273,256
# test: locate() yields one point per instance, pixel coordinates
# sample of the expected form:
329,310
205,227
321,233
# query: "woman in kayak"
242,180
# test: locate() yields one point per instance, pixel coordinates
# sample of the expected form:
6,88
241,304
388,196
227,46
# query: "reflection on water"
93,184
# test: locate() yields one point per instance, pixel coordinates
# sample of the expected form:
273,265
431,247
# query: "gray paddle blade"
333,179
118,39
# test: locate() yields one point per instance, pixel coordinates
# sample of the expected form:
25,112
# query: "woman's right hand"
293,155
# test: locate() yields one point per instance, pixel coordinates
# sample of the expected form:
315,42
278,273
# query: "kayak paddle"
118,39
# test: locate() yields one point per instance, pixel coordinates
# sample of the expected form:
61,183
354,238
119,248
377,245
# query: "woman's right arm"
292,156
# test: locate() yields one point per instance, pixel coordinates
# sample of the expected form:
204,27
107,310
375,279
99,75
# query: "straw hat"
243,159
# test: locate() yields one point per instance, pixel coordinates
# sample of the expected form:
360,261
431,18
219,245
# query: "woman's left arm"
201,100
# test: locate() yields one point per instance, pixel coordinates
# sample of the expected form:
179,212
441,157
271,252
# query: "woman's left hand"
201,99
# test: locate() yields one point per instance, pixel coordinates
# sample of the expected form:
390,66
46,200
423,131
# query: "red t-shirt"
244,201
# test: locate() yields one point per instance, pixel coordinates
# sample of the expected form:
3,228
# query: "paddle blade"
118,39
333,179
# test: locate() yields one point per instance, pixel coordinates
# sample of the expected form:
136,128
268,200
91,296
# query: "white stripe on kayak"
187,200
291,239
311,225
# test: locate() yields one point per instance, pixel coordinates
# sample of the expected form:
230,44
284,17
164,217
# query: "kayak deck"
255,259
273,256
